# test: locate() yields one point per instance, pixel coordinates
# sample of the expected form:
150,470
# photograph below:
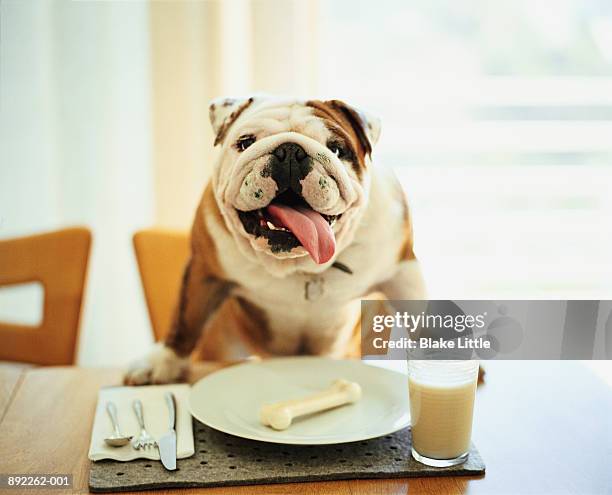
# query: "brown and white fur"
238,298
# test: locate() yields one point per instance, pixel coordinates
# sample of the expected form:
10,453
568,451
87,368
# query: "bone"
280,415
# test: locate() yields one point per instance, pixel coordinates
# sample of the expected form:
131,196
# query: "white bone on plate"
230,400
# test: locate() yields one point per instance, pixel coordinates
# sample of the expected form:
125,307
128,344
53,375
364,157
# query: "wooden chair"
58,260
162,256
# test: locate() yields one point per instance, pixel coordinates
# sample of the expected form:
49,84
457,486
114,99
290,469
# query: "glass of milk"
441,410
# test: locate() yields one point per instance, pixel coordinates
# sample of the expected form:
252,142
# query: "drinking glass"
441,409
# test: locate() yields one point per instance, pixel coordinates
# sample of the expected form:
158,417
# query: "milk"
441,416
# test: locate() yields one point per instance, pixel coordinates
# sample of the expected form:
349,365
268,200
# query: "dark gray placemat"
225,460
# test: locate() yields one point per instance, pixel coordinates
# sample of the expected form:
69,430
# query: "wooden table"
10,379
541,427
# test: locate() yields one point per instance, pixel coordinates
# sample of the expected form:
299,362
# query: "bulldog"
295,227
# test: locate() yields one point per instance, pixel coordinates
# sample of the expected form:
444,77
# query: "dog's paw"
161,365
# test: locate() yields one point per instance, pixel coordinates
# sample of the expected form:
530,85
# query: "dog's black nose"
288,152
290,164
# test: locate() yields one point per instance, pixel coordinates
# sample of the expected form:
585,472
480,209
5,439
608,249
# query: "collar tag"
313,288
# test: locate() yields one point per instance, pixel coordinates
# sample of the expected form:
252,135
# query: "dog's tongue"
311,229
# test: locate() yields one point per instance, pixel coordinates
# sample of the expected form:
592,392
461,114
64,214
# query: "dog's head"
292,177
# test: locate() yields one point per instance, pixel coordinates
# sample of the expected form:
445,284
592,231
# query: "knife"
167,443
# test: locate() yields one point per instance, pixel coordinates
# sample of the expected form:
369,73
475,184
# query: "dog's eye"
338,149
244,142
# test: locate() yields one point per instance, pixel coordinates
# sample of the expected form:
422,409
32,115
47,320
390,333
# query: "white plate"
229,400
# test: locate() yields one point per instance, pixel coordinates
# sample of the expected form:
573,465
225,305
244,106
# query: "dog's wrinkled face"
292,177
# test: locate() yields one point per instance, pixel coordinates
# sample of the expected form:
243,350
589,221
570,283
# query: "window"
497,118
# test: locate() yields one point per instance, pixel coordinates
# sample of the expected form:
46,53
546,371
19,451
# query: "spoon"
116,439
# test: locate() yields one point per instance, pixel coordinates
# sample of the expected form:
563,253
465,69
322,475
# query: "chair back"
58,261
161,256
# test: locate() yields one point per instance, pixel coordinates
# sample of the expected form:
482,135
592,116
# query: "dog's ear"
223,112
366,126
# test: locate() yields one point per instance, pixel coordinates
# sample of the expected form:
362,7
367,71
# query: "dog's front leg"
405,283
200,296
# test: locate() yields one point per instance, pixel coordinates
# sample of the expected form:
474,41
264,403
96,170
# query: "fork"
144,440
